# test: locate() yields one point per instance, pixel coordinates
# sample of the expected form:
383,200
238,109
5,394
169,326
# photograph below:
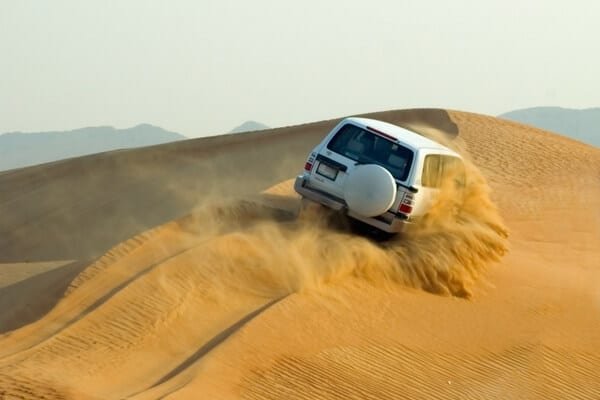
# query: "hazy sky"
201,67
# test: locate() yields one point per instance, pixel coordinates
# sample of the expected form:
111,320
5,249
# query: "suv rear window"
367,148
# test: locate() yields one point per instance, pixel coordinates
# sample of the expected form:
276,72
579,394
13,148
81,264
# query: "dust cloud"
266,252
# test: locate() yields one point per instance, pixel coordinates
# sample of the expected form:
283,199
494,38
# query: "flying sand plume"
443,254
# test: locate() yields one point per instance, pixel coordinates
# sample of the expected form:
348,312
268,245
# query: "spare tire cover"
369,190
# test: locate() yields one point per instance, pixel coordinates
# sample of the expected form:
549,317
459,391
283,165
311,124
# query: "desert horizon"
182,271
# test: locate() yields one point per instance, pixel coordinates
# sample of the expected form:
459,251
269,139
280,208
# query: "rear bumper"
301,187
388,222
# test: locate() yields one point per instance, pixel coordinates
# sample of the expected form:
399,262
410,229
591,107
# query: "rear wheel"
321,216
308,209
364,229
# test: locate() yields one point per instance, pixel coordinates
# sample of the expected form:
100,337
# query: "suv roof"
405,136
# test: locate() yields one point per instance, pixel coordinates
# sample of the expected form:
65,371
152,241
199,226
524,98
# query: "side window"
437,168
431,171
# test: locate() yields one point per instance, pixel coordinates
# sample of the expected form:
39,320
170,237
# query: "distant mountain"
583,125
19,149
249,126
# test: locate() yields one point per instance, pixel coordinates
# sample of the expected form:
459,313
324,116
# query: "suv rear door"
353,145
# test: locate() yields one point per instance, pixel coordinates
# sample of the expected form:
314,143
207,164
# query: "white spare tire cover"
369,190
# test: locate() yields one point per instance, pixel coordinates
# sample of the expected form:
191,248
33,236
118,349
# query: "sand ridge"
237,300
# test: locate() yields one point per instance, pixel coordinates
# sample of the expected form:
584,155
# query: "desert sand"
180,271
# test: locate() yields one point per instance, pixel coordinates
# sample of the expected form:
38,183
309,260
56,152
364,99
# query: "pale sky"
201,67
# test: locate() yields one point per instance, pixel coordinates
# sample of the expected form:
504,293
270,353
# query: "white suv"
376,172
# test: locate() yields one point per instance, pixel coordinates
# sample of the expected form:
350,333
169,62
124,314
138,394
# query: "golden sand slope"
238,300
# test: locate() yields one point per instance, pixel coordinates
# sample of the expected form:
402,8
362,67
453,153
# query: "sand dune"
205,285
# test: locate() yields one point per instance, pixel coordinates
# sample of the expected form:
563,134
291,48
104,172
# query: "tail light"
309,163
406,205
405,208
